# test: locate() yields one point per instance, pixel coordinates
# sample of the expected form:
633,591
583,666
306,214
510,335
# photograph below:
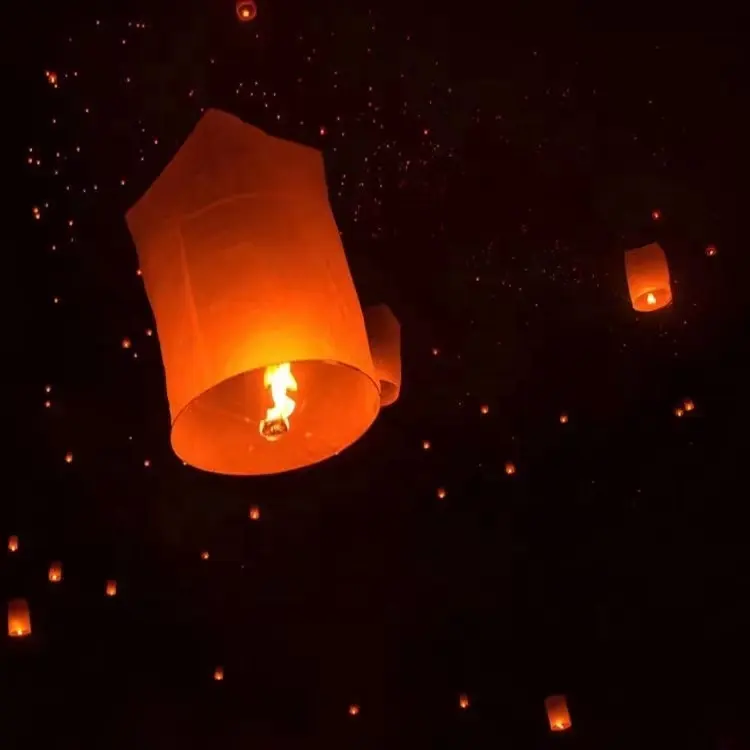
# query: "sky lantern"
353,709
254,513
55,573
648,278
110,588
13,543
384,333
19,618
246,10
263,341
463,700
557,713
219,674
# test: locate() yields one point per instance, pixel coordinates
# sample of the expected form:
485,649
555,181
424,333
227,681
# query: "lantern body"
384,333
246,10
648,278
111,588
13,543
55,573
244,269
557,713
219,674
19,618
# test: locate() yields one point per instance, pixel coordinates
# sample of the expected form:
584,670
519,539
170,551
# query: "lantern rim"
662,296
207,435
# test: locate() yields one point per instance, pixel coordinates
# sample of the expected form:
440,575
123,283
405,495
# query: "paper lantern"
384,333
19,618
353,710
253,300
246,10
111,588
254,513
557,713
463,700
219,674
648,278
13,543
55,573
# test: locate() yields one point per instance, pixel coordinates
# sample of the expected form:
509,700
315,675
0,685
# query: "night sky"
486,184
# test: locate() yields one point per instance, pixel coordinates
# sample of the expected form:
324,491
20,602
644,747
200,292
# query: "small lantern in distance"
205,555
711,251
219,674
441,493
254,513
111,588
55,573
563,418
247,10
353,710
689,404
426,445
463,700
510,468
13,543
19,618
484,409
647,273
557,713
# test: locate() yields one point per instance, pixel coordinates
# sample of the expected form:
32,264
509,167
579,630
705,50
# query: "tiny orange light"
510,468
204,555
563,419
147,463
688,405
711,251
441,493
353,709
126,343
484,409
13,543
463,700
111,588
55,573
246,10
254,513
656,214
426,445
435,351
68,458
219,674
679,411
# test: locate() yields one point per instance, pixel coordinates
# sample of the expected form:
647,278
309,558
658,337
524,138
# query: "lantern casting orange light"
246,10
55,573
648,278
19,618
557,713
111,588
13,543
253,299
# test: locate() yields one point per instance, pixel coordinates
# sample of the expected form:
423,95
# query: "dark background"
487,184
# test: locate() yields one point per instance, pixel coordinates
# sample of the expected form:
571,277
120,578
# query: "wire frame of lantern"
267,361
647,273
557,713
384,334
19,618
55,572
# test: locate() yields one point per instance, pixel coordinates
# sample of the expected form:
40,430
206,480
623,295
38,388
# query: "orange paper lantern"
648,278
262,335
219,674
19,618
55,573
384,333
463,700
557,713
254,513
246,10
111,588
13,543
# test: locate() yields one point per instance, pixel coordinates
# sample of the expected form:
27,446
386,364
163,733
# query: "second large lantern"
262,336
648,278
384,332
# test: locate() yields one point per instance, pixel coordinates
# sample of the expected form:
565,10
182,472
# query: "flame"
279,379
650,298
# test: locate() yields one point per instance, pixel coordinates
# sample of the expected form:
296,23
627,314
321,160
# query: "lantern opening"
279,379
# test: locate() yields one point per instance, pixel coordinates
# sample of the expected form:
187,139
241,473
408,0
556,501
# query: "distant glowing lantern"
111,588
656,214
19,618
68,458
679,411
55,573
246,10
711,251
126,343
204,555
219,674
563,418
353,709
648,278
384,333
463,700
441,493
484,409
426,445
689,404
510,468
262,336
13,543
557,713
254,513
